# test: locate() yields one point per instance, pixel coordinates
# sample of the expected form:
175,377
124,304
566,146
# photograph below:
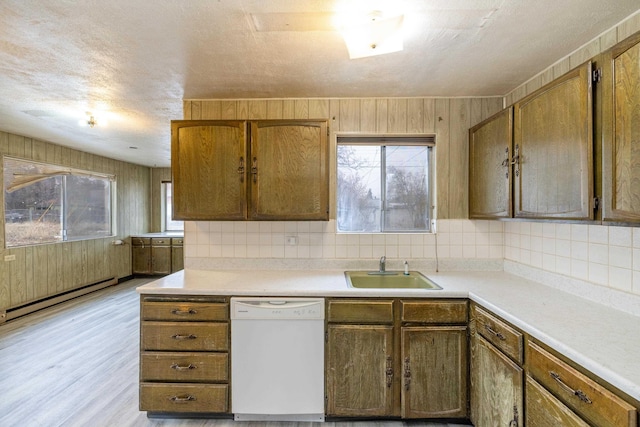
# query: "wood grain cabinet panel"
544,410
490,171
209,169
496,386
184,398
360,311
434,372
184,367
435,311
185,336
593,402
553,149
621,132
506,338
289,170
358,380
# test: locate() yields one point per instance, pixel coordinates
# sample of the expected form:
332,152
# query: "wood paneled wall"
449,118
620,32
45,270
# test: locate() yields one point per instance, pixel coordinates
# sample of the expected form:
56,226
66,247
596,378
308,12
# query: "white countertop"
603,340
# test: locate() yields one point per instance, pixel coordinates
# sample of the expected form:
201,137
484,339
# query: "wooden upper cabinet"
553,149
490,148
208,165
289,170
282,174
621,132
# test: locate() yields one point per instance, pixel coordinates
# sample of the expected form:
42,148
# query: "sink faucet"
383,261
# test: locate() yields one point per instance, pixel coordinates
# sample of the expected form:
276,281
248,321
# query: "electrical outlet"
9,257
292,240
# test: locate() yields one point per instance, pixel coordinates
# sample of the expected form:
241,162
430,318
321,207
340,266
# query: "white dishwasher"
277,359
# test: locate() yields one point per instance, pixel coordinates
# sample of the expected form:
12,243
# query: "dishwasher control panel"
277,308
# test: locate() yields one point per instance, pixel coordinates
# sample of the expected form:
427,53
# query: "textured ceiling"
134,61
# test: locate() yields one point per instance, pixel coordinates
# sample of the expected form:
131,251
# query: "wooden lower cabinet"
395,358
434,372
184,354
359,374
496,386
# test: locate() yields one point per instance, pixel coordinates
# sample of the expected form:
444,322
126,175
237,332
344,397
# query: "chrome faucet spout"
383,261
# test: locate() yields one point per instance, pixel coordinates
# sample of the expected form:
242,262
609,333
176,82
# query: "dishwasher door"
277,359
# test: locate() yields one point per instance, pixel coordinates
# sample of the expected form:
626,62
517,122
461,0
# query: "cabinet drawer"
184,310
543,409
184,367
141,241
185,336
184,397
360,311
160,241
590,400
434,311
499,333
177,241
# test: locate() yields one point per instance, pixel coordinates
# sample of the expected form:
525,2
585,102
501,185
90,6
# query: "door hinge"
596,75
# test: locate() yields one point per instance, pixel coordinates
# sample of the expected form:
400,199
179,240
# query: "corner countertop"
603,340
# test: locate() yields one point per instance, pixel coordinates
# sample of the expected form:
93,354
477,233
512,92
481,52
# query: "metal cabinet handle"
389,371
254,170
179,312
188,367
579,393
182,399
506,162
495,333
241,169
516,160
184,337
407,374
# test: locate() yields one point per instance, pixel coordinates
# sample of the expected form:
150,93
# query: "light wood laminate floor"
76,364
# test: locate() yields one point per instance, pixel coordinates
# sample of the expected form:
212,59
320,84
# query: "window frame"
387,140
164,210
64,170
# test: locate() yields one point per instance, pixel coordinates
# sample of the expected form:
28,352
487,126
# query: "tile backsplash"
459,239
604,255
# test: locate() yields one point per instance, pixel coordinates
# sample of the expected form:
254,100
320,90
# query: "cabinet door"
621,132
359,370
496,386
141,256
161,260
544,410
209,168
434,372
490,174
289,170
177,258
553,140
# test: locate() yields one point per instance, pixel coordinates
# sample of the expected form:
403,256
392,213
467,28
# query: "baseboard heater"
22,310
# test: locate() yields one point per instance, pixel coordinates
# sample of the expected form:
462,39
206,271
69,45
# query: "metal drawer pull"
183,368
579,393
182,399
184,337
495,333
179,312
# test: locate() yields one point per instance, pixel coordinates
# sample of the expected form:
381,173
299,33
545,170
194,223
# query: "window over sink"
384,183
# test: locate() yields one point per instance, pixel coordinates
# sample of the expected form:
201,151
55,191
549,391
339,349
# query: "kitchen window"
46,203
167,197
384,183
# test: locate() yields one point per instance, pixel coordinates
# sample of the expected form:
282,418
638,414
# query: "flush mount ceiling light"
372,34
91,121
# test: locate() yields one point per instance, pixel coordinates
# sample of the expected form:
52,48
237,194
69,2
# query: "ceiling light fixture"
91,122
373,34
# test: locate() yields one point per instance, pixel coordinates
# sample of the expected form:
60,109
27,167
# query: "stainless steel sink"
389,280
